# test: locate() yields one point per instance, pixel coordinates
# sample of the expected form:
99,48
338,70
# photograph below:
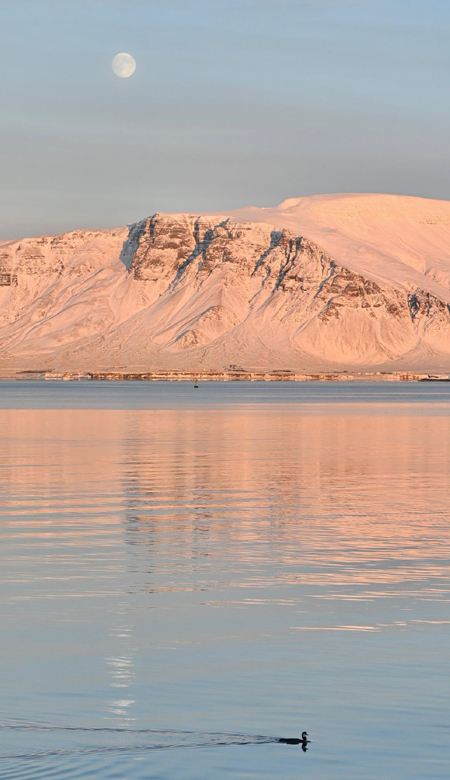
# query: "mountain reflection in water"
248,570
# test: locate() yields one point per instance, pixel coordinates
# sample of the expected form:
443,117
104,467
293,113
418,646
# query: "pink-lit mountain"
330,282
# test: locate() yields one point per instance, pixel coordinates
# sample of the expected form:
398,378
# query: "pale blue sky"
232,103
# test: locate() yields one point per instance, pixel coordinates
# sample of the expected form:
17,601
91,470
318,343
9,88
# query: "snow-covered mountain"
322,283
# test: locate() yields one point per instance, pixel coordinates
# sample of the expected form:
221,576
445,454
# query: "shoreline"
238,375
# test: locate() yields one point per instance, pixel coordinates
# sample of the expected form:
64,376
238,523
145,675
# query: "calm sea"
187,575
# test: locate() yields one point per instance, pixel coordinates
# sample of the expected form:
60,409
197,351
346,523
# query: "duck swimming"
296,741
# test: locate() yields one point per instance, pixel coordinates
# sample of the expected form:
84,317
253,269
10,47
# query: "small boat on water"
196,384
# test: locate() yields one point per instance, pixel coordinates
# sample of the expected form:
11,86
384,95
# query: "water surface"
187,575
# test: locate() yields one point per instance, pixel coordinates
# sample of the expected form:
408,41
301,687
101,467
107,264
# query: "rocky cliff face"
187,291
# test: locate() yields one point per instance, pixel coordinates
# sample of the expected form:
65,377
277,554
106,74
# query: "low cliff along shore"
328,287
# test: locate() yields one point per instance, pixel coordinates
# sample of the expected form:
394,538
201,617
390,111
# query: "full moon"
124,65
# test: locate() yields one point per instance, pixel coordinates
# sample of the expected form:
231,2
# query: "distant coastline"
238,375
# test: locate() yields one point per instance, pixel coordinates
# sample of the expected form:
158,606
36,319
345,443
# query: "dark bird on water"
296,741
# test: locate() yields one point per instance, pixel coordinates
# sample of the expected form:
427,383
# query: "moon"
124,65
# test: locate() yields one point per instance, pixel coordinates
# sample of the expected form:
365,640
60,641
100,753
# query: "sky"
233,103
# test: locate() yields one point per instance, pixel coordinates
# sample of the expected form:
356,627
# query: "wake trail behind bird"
158,739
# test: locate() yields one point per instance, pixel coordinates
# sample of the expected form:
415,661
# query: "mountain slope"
184,291
392,238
